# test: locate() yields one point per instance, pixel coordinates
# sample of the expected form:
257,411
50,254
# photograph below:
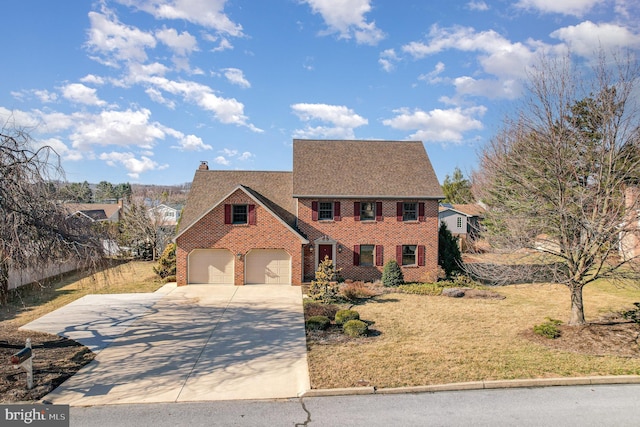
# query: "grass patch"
30,302
433,340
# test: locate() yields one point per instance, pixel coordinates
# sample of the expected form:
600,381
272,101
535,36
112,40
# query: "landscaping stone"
453,292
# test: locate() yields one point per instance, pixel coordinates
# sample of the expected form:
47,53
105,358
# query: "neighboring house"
359,203
166,215
464,221
96,212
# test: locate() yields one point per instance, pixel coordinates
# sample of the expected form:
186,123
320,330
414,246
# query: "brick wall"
212,233
388,233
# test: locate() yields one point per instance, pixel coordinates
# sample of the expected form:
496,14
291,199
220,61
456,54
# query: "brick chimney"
631,198
204,165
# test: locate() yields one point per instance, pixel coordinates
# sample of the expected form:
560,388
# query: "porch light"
339,248
239,256
311,248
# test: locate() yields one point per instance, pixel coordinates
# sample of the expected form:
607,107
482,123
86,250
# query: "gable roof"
110,210
210,187
470,209
259,200
381,169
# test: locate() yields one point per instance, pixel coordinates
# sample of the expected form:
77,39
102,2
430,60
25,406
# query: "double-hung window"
367,255
240,214
410,211
409,255
367,211
325,211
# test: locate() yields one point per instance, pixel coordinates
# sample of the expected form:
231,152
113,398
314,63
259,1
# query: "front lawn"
421,340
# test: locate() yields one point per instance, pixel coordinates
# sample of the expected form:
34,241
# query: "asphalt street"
601,405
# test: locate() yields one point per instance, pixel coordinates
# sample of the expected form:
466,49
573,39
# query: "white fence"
25,276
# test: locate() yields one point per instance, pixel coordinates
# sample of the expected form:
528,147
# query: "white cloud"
192,143
224,44
77,92
221,161
60,148
565,7
587,38
437,125
92,80
497,56
181,44
236,77
121,128
131,163
478,5
229,152
246,155
115,41
387,60
489,88
156,96
342,121
346,17
45,96
208,13
432,76
225,110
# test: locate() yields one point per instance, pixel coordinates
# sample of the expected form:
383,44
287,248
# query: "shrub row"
348,319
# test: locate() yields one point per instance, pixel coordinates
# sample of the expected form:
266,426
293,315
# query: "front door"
325,251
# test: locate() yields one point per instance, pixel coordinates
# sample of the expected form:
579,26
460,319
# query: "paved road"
198,343
584,406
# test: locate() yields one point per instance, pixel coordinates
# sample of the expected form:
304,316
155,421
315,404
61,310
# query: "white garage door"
213,266
270,266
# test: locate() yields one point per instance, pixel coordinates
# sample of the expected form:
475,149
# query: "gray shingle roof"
323,168
209,187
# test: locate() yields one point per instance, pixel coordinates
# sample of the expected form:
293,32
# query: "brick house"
360,203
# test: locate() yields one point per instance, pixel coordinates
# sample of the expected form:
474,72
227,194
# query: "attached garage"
210,266
269,266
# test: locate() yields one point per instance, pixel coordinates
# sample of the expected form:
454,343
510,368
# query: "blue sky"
141,91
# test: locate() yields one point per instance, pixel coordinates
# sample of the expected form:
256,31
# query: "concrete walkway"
201,343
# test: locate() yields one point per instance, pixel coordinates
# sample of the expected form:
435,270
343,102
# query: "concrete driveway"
200,343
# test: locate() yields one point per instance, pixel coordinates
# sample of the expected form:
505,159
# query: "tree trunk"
4,282
577,308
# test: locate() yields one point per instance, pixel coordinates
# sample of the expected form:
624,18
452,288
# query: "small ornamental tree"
449,257
325,288
166,266
392,274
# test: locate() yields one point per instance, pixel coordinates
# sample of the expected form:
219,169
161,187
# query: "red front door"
325,251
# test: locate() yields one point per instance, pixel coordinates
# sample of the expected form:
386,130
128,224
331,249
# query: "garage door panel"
211,266
270,266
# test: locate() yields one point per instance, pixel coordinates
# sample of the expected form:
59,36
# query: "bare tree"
554,178
146,229
35,230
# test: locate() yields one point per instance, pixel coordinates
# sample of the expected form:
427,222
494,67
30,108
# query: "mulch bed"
54,360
